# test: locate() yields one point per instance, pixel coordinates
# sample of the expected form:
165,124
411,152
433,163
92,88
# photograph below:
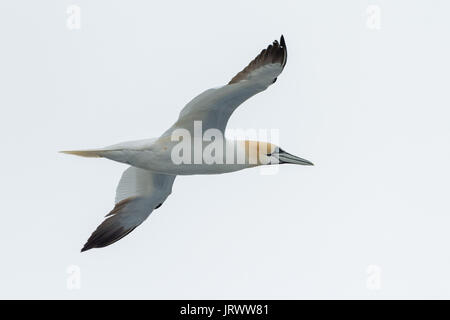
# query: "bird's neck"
250,151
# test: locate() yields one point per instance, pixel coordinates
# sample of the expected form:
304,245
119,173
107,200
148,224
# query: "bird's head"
265,153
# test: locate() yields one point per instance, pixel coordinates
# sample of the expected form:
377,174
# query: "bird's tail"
86,153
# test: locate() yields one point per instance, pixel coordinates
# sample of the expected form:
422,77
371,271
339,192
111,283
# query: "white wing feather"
214,106
139,192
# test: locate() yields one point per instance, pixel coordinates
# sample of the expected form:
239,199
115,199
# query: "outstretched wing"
215,106
139,192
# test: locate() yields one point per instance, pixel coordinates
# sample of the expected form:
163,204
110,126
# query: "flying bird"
147,183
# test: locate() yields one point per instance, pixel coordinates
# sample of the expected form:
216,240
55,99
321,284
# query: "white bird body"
154,165
155,155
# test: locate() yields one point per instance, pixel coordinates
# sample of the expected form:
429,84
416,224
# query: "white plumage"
148,182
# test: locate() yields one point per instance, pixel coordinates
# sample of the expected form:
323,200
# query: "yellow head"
259,153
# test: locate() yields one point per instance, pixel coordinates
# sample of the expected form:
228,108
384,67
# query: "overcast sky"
364,96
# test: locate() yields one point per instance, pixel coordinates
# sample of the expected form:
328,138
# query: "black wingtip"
283,44
85,248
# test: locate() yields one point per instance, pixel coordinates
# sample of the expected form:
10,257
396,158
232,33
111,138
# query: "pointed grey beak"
284,157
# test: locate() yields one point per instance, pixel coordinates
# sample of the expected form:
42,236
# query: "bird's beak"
285,157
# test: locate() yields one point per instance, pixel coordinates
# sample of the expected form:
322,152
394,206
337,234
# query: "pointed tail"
85,153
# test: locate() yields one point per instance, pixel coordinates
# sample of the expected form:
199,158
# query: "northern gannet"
146,184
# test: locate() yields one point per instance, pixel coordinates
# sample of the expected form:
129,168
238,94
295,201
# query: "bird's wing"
215,106
139,192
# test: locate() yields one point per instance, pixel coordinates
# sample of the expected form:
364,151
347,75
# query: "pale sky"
364,96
